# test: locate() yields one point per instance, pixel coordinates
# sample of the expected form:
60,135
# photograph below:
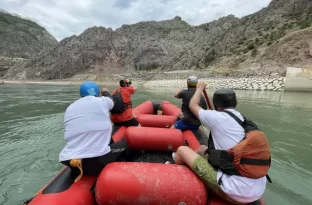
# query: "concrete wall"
299,79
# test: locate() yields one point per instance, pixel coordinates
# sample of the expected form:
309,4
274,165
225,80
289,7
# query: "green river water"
31,137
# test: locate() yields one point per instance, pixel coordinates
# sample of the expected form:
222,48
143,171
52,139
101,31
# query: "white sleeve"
110,103
208,117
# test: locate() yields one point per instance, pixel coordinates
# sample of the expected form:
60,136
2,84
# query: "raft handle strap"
77,163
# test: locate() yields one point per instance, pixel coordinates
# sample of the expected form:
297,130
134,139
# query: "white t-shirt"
226,133
87,128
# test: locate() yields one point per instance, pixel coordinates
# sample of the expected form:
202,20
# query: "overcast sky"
63,18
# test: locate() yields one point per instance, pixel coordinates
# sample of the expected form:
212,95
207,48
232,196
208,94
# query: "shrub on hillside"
305,23
210,57
251,46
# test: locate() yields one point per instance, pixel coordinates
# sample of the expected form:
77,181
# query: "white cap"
192,81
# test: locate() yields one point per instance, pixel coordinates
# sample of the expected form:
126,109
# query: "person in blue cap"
88,130
188,120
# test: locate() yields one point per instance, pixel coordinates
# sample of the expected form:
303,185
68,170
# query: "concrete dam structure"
299,79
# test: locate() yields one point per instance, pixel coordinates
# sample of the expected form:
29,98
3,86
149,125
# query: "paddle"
208,103
207,99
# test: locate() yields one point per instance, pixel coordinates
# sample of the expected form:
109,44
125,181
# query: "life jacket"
250,158
119,105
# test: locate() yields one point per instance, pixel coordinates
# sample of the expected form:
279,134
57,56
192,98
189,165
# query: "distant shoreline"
36,82
253,83
65,82
20,82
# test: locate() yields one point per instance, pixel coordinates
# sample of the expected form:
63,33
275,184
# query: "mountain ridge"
21,39
231,45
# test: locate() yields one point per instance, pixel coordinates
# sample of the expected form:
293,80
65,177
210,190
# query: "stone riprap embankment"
270,84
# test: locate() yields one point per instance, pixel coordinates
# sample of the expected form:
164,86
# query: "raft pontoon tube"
138,183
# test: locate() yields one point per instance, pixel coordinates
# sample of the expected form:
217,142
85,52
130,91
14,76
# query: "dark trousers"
128,123
93,166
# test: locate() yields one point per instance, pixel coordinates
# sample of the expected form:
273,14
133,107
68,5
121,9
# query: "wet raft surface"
151,156
162,157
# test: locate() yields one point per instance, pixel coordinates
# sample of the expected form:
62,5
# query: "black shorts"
93,166
128,123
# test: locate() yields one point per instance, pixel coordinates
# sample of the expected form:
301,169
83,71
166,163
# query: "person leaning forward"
227,132
124,117
88,132
188,120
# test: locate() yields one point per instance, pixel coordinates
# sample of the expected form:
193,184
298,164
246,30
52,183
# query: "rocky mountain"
259,43
21,39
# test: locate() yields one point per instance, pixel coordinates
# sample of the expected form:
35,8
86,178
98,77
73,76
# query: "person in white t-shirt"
88,130
226,133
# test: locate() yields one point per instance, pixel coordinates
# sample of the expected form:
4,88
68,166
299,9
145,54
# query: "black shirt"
186,96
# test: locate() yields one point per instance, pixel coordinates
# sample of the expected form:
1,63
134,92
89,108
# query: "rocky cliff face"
227,45
21,39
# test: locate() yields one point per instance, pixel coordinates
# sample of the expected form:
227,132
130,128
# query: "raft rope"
77,163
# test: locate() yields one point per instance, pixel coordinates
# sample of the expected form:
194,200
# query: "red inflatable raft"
145,181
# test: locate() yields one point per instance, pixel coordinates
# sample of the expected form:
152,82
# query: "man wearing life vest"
188,120
236,163
124,116
88,132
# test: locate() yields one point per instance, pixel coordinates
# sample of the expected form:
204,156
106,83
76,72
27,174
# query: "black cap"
122,83
224,98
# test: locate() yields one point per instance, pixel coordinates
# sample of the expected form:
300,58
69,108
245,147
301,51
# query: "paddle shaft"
207,99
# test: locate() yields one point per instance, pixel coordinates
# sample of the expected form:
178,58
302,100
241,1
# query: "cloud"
123,4
65,18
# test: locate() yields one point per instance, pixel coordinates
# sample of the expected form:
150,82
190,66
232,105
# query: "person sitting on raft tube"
88,132
125,116
188,120
231,154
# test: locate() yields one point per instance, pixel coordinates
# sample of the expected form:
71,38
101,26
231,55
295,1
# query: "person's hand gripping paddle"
202,86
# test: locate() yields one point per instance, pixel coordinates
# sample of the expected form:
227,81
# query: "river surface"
31,137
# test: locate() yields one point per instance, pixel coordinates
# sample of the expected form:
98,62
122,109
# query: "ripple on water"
31,137
290,180
28,155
